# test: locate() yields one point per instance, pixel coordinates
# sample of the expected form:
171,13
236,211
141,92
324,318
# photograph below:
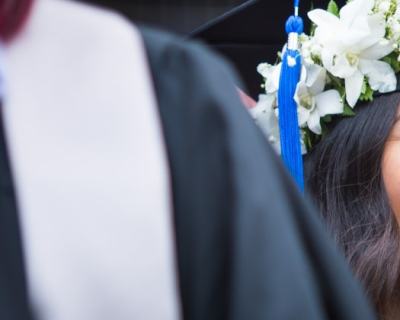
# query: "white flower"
310,49
306,44
383,6
313,102
266,118
393,24
271,73
352,46
265,114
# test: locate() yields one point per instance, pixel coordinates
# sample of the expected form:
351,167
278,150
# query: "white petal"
264,114
326,38
316,79
264,104
355,9
329,102
323,18
266,118
326,22
327,57
357,34
356,30
303,74
378,51
314,123
264,69
353,87
365,32
271,74
338,65
380,75
377,25
301,90
303,114
276,75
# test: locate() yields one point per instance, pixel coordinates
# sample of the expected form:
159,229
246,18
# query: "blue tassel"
288,119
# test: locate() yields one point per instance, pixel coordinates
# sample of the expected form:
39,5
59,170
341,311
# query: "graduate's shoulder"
197,78
70,22
166,48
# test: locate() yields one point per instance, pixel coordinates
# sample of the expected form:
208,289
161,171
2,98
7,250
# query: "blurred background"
240,39
181,16
246,37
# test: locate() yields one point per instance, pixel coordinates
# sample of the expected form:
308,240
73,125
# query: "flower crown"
351,55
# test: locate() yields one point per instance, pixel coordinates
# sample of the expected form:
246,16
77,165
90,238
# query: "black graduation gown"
248,247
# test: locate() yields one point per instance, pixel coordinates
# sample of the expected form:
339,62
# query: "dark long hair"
344,176
13,15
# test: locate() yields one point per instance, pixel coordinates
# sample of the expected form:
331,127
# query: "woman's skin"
248,101
391,168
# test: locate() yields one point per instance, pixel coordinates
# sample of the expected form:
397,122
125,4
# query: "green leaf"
393,61
333,8
364,87
310,138
327,118
312,29
337,84
307,142
348,111
307,139
367,94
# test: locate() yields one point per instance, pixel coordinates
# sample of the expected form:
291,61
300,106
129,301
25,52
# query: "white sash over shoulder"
90,168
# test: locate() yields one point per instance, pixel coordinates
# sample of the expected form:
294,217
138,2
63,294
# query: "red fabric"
13,15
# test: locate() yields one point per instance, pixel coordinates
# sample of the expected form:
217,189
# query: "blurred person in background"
134,185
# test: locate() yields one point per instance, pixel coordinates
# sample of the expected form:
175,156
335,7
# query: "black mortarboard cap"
253,33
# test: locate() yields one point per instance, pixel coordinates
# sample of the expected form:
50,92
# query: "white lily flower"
265,115
271,73
313,102
266,118
352,46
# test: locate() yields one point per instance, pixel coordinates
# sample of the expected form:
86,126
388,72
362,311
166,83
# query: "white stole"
90,168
